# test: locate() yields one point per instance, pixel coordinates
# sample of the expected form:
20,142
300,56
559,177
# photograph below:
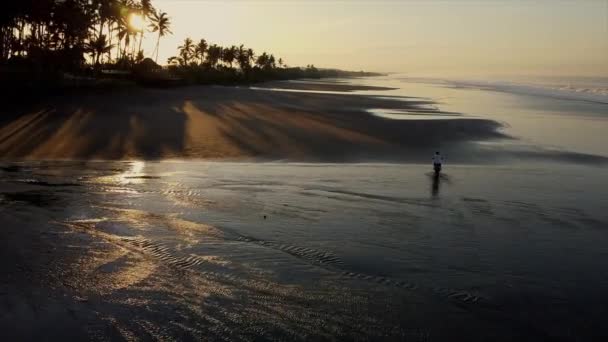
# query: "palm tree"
229,55
98,47
160,23
124,33
186,51
262,60
123,29
113,18
105,10
242,58
61,33
146,9
214,53
200,50
251,55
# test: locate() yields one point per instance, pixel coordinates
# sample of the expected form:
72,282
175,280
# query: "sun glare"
136,21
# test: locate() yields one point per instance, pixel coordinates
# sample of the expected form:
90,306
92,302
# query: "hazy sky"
420,37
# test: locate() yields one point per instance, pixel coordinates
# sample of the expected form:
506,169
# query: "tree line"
84,35
69,34
203,54
69,31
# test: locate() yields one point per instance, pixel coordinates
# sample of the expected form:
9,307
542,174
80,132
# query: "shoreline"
305,121
206,122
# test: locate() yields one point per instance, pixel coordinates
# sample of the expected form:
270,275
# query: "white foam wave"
567,91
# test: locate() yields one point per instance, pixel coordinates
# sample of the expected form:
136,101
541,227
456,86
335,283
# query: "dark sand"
104,251
51,270
228,123
71,272
320,85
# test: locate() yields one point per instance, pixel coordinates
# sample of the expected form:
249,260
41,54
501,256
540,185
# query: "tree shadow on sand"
219,122
313,127
98,127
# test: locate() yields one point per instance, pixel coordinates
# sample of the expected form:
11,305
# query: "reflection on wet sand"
181,251
199,299
436,180
435,185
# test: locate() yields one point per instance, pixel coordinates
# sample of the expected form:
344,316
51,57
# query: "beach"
303,211
226,123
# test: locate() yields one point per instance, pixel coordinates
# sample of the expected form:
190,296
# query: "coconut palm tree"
146,9
160,23
98,47
214,53
114,17
105,12
186,51
229,55
124,33
242,58
200,50
262,60
251,55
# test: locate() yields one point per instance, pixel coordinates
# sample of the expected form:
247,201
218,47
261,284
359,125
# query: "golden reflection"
120,267
143,280
134,175
191,232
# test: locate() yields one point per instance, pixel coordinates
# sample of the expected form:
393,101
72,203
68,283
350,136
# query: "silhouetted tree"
124,34
146,10
265,61
176,61
186,51
214,53
252,57
160,23
66,35
98,47
200,50
242,58
229,55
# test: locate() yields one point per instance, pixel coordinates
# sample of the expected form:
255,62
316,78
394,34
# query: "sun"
137,22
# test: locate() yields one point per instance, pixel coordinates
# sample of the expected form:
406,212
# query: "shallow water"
491,242
546,113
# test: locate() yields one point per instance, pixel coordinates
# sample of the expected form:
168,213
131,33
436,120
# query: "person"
437,161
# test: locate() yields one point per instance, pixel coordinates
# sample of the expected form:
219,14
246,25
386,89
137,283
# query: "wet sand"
228,123
279,251
321,85
199,250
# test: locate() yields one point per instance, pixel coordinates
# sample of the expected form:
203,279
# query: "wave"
566,89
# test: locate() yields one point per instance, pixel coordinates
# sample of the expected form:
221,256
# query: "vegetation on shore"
205,63
43,40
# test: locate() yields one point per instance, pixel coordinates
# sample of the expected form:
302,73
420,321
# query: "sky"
455,37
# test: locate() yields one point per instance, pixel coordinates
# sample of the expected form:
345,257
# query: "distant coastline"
44,49
21,84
